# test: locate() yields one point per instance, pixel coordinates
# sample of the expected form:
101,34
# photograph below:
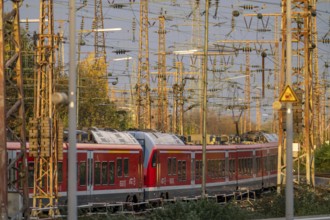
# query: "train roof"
216,147
113,137
158,138
85,146
121,147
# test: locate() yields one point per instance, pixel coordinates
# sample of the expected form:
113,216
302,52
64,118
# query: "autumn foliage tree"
95,107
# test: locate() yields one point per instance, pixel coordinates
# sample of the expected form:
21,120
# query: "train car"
174,169
108,170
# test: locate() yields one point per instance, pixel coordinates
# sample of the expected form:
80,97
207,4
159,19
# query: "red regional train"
149,164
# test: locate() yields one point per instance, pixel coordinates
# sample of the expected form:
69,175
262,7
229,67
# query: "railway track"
142,208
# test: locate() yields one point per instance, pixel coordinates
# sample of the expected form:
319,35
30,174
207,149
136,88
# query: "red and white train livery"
151,164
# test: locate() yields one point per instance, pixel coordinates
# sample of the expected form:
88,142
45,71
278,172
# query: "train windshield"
143,145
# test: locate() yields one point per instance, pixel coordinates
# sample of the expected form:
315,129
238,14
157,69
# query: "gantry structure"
46,130
247,49
143,102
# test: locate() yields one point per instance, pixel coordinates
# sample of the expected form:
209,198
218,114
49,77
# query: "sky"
226,82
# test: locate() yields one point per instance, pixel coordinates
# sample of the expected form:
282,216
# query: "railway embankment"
308,201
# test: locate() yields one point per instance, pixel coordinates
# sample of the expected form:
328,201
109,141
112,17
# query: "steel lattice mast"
143,88
3,139
247,86
46,131
305,72
20,99
98,23
162,114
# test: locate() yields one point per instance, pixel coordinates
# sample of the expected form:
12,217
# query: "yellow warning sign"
288,95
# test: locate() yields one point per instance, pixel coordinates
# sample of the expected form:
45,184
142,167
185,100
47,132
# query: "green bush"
201,210
307,201
322,159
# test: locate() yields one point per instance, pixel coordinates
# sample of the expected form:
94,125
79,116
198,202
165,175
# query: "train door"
90,172
84,171
192,182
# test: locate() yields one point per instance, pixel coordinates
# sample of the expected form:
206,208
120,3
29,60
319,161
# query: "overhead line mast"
98,23
162,124
46,131
143,102
304,44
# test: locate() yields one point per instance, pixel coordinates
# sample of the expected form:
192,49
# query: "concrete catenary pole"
204,105
289,119
72,154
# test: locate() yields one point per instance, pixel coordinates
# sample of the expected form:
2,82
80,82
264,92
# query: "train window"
198,172
258,161
82,173
142,143
169,163
240,165
104,173
154,159
184,171
111,172
171,166
179,170
119,167
126,167
222,168
60,172
250,166
216,169
97,173
31,174
273,162
174,166
231,167
20,182
209,168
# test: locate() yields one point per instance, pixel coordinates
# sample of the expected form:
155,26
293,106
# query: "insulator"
82,24
248,7
247,49
35,38
326,40
133,29
233,24
118,6
263,30
27,26
133,24
259,16
313,13
235,13
94,24
312,46
127,64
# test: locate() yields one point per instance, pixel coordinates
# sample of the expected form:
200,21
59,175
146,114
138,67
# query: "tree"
322,159
95,107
